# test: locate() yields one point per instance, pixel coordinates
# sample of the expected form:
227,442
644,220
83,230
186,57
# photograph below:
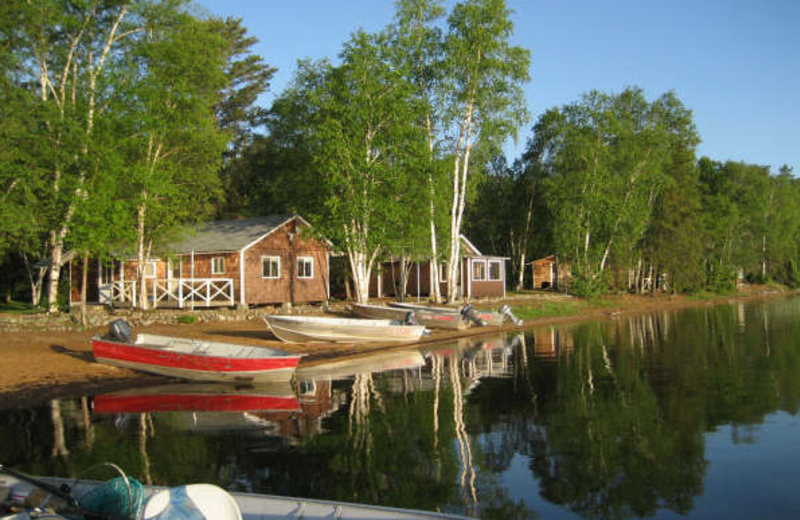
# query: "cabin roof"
230,235
469,247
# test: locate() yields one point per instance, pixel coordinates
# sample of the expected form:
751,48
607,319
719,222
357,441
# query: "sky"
734,63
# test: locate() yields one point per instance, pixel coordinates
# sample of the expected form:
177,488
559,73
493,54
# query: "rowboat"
477,317
341,330
426,317
191,501
199,397
193,359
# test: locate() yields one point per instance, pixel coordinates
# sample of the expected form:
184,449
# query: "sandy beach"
37,366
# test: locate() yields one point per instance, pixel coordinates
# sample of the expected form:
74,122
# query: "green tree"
362,122
608,171
483,100
175,145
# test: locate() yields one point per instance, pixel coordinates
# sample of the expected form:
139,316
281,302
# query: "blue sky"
734,63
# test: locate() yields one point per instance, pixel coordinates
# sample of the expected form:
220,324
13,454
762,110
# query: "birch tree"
71,48
175,146
418,45
362,120
483,99
609,171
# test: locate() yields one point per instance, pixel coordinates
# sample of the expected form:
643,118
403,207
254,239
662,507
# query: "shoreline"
39,366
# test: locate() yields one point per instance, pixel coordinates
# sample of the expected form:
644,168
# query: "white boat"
424,316
303,329
478,317
205,501
193,359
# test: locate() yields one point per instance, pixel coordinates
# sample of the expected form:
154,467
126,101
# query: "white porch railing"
118,292
177,292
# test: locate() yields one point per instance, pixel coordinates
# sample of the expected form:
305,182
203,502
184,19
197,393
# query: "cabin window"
271,267
175,269
218,265
150,270
495,270
479,270
305,267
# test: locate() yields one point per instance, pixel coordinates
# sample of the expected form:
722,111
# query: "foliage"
187,319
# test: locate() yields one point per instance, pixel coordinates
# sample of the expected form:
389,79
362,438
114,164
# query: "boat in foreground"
428,318
193,359
205,501
302,329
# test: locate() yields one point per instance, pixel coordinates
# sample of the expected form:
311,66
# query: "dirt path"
47,365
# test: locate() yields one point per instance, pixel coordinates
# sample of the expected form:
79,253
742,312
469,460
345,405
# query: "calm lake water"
684,413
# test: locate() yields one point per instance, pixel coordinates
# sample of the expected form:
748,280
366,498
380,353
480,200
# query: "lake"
690,413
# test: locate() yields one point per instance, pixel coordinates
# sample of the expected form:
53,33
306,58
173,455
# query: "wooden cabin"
549,274
253,261
480,276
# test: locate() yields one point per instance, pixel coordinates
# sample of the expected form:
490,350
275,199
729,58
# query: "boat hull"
431,319
295,329
161,360
488,317
268,507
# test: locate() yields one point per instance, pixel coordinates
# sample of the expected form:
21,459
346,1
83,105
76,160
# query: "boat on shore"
427,317
192,501
478,317
193,359
304,329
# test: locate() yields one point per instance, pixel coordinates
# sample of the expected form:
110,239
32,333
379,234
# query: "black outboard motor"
119,330
410,319
505,310
469,312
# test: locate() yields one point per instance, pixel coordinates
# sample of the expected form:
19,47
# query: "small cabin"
252,261
479,276
548,274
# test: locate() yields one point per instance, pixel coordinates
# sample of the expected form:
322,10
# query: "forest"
123,123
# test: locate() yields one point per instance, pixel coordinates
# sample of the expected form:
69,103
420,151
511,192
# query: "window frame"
151,269
481,262
271,257
499,264
213,266
310,260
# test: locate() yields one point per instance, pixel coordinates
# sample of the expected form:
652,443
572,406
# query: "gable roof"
469,247
230,235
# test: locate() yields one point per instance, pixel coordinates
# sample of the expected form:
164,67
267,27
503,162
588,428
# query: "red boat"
193,359
203,397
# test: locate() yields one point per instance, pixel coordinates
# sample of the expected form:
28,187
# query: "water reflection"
601,420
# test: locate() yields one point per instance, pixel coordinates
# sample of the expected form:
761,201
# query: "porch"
172,293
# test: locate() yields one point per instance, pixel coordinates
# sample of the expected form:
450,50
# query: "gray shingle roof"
228,235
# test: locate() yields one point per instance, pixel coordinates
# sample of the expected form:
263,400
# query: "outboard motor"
505,310
119,330
410,319
469,312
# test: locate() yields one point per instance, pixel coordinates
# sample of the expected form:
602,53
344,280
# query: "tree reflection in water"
605,419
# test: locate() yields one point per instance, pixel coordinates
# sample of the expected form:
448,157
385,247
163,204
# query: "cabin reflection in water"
552,342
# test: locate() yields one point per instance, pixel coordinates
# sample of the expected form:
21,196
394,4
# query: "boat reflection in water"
196,397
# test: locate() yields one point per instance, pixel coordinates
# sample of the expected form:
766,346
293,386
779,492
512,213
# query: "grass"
19,308
547,309
187,319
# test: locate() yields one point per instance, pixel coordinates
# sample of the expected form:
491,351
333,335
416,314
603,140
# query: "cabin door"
105,281
173,276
